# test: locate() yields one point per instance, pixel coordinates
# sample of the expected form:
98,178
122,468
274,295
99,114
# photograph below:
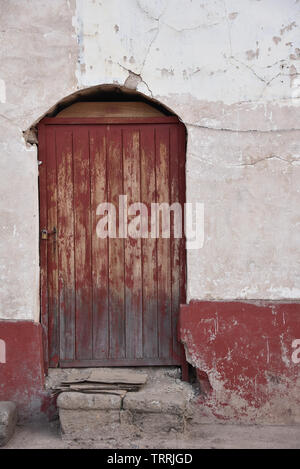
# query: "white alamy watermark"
296,87
2,351
296,353
158,220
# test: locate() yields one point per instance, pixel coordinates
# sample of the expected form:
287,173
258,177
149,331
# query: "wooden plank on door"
163,244
182,249
98,149
43,245
82,234
51,243
149,254
116,246
133,259
182,195
175,241
65,241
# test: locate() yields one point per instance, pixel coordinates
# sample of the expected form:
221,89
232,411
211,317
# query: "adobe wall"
229,69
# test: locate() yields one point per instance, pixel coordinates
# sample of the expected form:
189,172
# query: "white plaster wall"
228,68
38,57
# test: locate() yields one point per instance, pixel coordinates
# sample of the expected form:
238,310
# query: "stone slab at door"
111,301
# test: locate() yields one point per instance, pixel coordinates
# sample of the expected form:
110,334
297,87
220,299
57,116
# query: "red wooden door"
109,301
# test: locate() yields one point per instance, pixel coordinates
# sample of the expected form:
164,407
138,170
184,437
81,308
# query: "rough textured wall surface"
38,58
246,355
22,370
229,69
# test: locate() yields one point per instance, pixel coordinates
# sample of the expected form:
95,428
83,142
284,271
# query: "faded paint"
22,374
247,357
117,304
37,73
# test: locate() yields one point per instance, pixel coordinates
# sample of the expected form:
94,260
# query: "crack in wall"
149,49
266,81
248,67
194,156
8,119
228,27
193,28
148,14
134,79
269,82
202,376
253,163
227,129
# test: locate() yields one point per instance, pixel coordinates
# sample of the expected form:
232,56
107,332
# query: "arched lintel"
106,93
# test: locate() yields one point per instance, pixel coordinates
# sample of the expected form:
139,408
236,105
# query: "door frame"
42,183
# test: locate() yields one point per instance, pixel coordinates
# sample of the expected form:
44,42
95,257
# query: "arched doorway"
111,300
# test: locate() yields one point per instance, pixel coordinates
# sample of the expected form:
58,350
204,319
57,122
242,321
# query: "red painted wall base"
247,357
21,369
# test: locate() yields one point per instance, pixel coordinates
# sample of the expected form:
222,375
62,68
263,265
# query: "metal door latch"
45,233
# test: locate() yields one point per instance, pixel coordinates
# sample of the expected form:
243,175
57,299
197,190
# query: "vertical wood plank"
116,246
133,260
182,247
43,245
83,277
149,258
99,245
65,240
163,244
175,242
53,323
182,198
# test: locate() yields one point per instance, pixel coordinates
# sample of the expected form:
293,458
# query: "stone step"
57,375
159,407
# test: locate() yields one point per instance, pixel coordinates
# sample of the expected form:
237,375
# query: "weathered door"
109,301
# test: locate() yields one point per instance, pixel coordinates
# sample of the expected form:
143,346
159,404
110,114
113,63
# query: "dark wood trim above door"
109,120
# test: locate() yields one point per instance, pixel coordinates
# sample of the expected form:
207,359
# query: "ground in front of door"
155,417
40,436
